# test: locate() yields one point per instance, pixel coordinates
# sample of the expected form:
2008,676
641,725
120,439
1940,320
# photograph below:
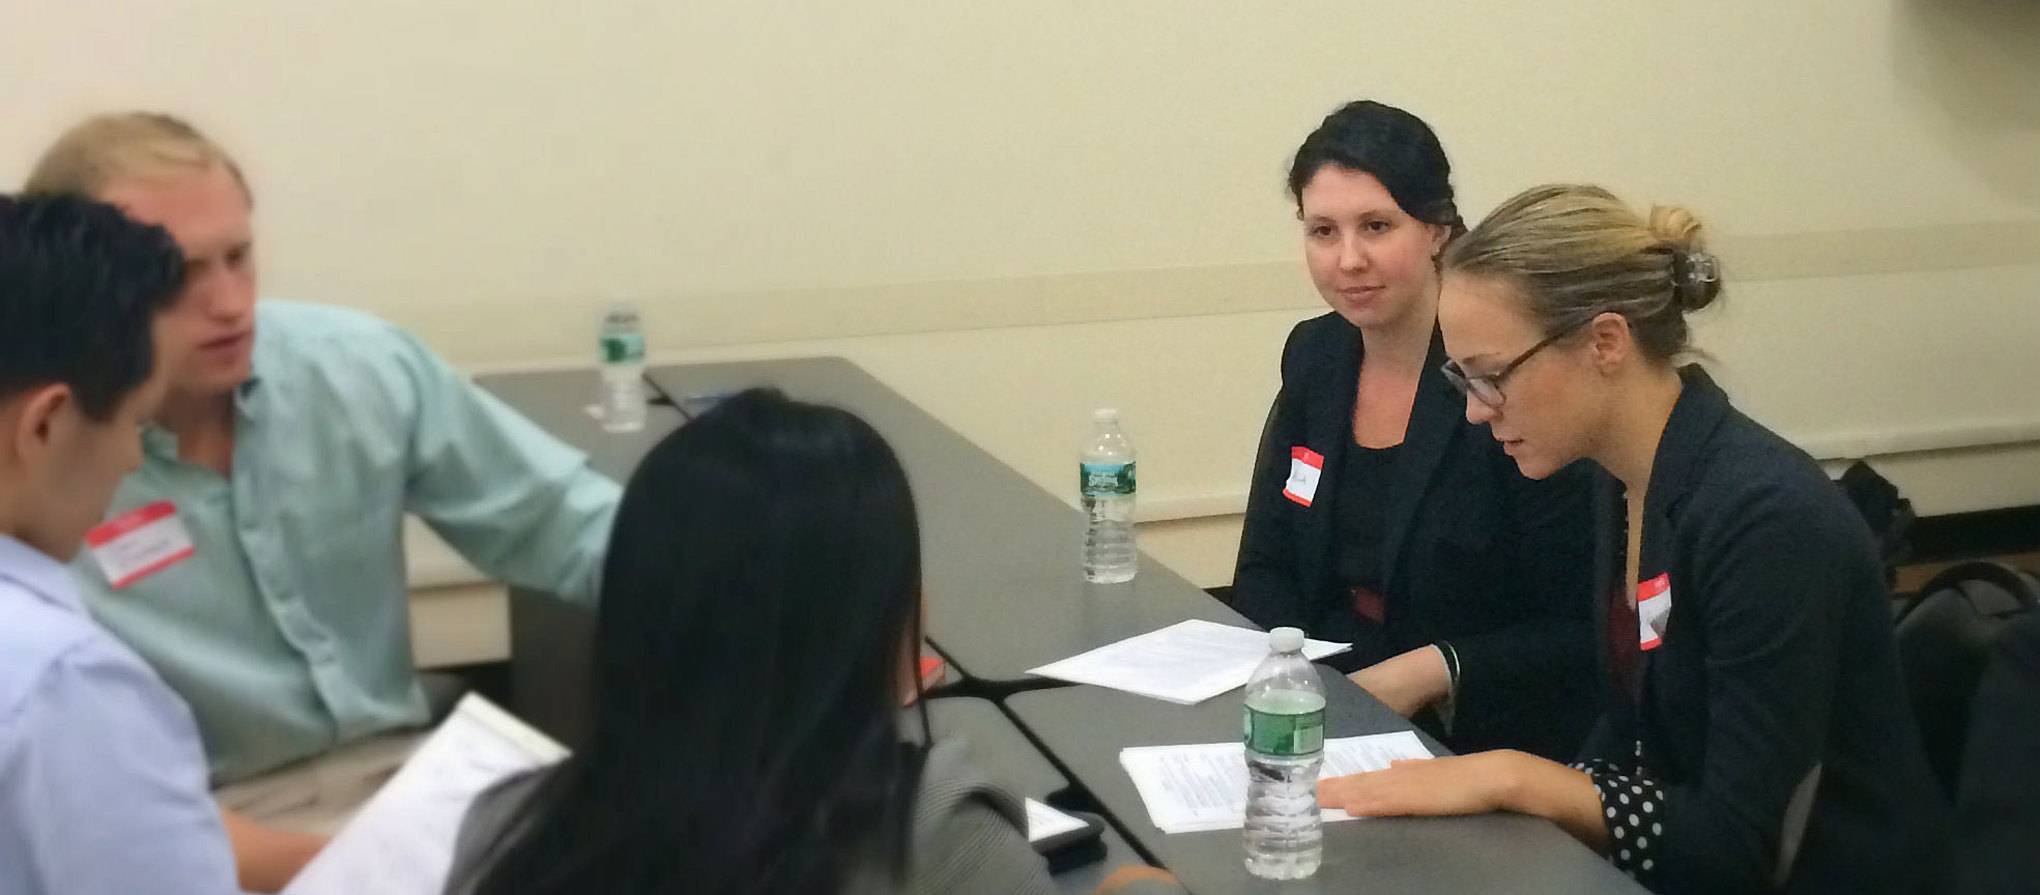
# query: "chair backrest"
1945,636
1889,515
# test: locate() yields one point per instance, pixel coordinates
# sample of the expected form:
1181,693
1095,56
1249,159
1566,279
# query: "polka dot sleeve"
1633,805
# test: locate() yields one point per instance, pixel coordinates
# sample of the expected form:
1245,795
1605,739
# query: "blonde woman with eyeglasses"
1755,737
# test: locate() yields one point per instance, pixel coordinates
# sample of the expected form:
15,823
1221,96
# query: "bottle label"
1106,479
623,348
1273,733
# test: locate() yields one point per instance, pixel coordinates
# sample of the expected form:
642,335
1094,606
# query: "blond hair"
1578,252
106,148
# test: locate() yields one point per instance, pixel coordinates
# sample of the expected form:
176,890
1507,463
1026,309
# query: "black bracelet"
1451,667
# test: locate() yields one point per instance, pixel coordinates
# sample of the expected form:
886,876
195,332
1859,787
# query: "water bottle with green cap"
1285,739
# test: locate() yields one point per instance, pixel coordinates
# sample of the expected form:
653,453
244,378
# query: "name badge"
1305,465
1653,610
140,543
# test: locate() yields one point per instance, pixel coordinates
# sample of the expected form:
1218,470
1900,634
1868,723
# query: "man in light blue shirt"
292,441
102,778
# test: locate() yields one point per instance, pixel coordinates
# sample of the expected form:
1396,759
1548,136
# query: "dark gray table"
1012,762
550,639
1085,727
1005,594
558,402
1004,589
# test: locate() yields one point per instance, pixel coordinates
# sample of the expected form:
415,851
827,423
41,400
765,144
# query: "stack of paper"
1184,663
402,841
1192,788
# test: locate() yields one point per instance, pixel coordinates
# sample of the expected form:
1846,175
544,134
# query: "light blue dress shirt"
288,631
102,778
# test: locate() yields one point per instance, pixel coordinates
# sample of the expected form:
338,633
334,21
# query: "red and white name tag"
140,543
1305,466
1653,610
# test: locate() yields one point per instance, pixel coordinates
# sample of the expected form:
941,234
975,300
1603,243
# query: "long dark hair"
760,606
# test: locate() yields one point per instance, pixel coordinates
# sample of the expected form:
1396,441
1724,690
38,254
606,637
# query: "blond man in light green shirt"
293,441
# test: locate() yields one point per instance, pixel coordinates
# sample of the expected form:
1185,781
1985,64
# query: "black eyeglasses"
1488,388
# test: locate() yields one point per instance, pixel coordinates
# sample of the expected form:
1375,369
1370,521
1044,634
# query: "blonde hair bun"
1576,251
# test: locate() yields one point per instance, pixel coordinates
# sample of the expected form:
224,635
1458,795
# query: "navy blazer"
1474,553
1776,658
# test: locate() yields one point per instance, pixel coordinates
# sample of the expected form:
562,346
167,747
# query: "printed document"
1184,663
402,841
1193,788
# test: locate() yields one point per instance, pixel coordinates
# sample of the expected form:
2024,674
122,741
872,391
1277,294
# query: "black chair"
1889,515
1997,811
1946,633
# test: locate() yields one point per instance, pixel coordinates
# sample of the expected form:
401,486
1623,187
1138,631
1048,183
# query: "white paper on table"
402,841
1184,663
1044,822
1188,789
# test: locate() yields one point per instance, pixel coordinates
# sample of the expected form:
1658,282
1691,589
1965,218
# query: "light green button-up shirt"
288,631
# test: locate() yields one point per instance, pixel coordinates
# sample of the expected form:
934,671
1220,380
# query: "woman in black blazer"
1378,515
1756,737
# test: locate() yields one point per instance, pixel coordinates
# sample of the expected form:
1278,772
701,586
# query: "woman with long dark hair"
758,630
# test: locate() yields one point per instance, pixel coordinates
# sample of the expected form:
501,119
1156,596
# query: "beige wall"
1012,211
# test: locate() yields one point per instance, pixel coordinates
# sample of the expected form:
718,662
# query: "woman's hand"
1409,682
1502,780
1459,784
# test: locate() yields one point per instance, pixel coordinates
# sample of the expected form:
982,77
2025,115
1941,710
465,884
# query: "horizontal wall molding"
1834,448
1984,435
524,327
1886,250
1189,506
1100,297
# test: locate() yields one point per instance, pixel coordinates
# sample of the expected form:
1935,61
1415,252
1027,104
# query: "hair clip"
1700,268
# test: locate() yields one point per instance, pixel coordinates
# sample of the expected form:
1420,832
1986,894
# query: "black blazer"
1475,554
1776,657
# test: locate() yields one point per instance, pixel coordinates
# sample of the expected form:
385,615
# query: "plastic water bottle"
1106,474
1285,737
622,401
